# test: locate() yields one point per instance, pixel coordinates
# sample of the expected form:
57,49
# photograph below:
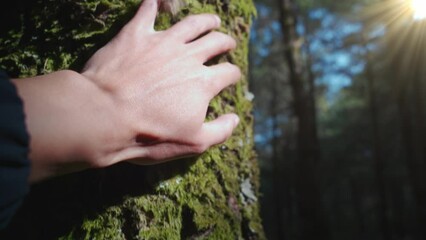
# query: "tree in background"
404,72
312,221
214,196
366,59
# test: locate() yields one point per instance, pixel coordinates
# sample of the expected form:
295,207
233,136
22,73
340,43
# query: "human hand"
160,88
141,98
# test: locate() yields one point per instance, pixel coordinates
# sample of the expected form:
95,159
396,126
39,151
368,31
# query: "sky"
333,65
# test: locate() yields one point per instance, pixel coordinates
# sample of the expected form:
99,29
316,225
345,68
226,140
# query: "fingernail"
236,121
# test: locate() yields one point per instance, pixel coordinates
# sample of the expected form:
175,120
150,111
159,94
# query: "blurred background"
340,118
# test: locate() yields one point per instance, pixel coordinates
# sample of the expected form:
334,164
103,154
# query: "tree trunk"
308,197
214,196
404,69
356,198
378,160
276,165
415,165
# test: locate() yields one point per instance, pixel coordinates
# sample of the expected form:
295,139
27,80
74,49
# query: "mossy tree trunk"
212,197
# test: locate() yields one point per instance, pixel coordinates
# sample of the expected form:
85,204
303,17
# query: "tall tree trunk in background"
419,131
405,69
419,89
399,207
378,160
420,139
415,166
356,197
276,165
214,196
312,219
311,81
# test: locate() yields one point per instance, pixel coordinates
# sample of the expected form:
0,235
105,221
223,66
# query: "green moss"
157,217
105,226
205,201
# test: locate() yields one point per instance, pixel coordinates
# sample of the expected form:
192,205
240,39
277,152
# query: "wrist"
68,119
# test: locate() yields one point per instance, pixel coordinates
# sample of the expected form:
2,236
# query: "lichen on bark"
211,197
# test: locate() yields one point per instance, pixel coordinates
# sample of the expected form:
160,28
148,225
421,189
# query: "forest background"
340,118
340,131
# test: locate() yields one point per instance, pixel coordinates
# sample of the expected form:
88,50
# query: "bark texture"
212,197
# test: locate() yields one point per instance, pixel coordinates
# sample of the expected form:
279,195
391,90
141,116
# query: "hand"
141,98
160,88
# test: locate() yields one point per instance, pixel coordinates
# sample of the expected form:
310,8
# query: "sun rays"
418,8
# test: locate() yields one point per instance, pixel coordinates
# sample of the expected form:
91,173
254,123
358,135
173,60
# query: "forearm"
63,113
137,99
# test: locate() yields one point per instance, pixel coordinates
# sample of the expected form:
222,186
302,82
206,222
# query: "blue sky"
333,64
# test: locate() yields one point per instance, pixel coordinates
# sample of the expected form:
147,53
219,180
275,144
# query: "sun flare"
419,9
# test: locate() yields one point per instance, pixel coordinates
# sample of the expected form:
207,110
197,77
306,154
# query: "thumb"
218,130
145,16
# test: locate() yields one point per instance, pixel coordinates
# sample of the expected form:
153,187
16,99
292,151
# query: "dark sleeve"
14,141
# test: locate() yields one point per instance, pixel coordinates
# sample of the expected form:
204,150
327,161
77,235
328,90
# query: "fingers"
222,76
145,16
213,44
217,131
162,152
211,133
193,26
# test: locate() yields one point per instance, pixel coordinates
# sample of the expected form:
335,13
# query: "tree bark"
213,197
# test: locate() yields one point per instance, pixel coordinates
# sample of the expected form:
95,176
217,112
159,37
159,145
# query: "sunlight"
404,24
419,9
